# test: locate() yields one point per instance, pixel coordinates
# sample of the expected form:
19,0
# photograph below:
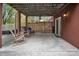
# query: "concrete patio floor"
41,44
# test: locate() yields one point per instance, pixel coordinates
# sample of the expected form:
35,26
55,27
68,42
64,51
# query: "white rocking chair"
18,38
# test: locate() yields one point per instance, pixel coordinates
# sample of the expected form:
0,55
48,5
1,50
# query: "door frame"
58,26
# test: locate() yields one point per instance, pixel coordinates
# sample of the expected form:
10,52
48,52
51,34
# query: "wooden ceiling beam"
37,8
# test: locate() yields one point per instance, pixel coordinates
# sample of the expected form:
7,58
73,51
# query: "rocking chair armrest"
20,35
17,35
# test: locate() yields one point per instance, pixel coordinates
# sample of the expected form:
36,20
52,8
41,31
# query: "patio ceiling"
38,9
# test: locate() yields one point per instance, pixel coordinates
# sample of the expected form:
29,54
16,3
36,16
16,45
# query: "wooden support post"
26,22
0,25
19,21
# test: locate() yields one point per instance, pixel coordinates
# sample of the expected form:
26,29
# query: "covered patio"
37,12
54,32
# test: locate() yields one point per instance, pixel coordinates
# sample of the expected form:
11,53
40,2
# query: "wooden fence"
41,26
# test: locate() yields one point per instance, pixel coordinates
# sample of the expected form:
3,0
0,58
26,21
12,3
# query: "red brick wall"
0,25
70,26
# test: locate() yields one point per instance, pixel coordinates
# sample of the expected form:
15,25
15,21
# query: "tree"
8,14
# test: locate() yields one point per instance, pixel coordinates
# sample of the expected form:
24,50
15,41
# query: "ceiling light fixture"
66,14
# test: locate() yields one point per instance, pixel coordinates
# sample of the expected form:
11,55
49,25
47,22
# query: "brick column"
0,25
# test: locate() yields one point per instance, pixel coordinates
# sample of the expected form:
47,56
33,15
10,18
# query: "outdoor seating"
18,38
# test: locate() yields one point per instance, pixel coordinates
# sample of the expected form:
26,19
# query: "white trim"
55,26
59,26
